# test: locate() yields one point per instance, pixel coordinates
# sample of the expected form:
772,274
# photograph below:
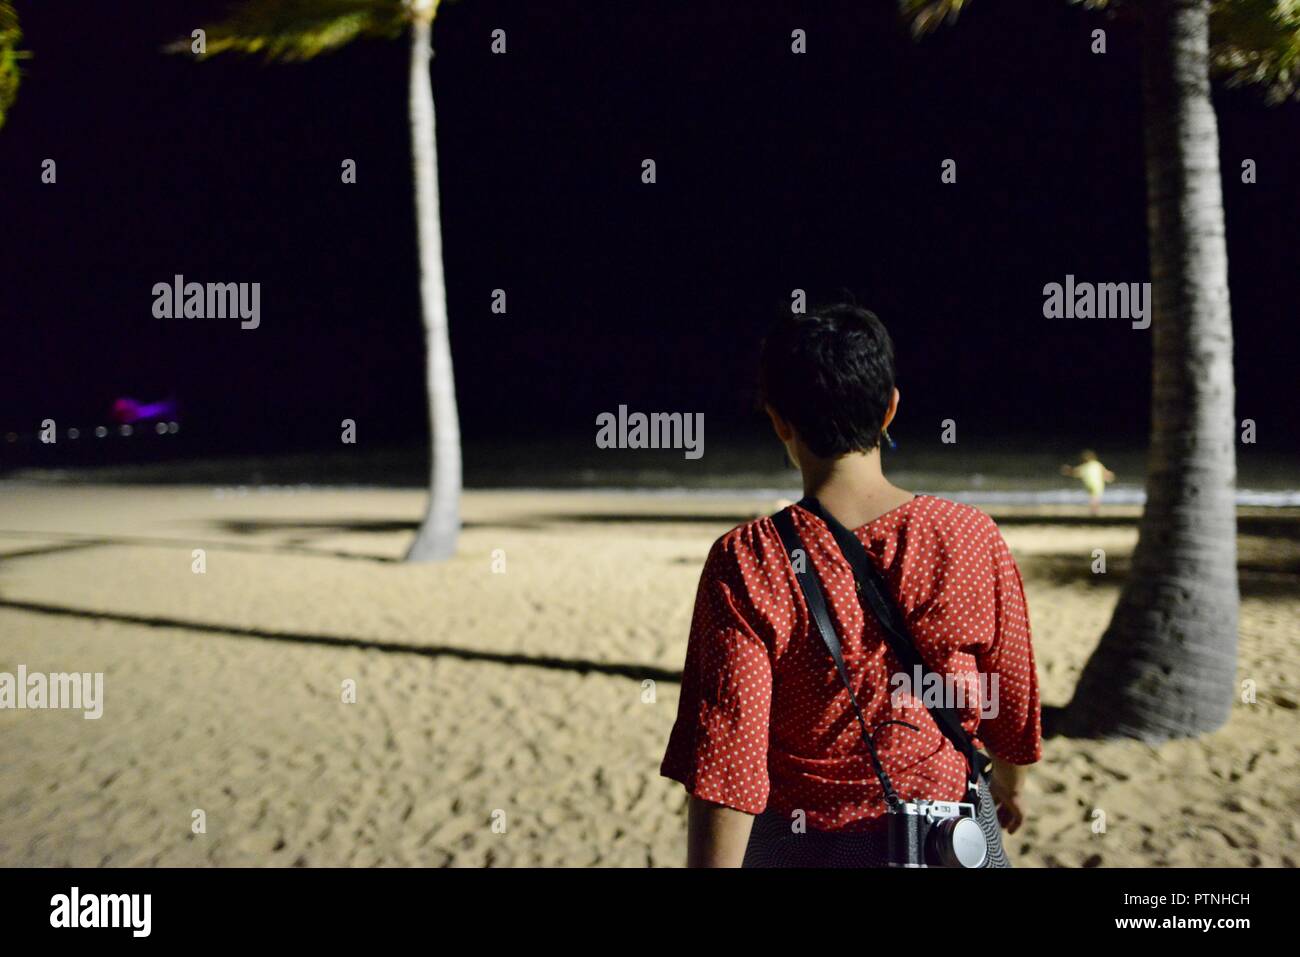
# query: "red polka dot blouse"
764,720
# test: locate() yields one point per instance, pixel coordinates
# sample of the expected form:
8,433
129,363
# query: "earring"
892,443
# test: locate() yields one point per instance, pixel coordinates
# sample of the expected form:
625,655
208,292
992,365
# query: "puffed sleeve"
718,745
1015,733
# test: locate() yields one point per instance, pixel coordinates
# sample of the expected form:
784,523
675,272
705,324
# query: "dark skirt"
773,844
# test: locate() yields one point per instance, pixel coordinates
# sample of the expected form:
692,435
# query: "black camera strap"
812,593
876,600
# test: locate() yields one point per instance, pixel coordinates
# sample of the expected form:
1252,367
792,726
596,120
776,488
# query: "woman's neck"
852,487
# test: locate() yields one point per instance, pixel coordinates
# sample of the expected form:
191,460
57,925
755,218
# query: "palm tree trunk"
436,538
1166,666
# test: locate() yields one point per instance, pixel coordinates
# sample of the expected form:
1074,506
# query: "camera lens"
959,842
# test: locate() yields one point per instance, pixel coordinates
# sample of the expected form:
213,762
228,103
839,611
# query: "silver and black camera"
935,834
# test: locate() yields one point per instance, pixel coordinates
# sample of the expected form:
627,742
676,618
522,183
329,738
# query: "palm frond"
11,35
1258,42
1251,41
299,29
925,16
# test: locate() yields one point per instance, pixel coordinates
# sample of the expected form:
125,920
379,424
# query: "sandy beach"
511,705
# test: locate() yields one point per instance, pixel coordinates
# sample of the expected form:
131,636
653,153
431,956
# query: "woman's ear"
783,429
891,411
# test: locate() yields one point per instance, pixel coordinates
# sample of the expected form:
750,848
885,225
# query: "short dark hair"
830,374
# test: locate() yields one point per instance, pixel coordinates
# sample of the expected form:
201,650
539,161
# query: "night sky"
775,171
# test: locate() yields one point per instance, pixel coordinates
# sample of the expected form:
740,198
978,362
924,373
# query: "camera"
935,834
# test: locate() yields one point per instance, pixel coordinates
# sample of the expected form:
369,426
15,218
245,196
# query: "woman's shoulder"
750,539
752,551
948,519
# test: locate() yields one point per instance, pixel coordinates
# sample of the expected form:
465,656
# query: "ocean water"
1005,472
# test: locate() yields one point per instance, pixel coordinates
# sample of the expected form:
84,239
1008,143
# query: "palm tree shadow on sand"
551,662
